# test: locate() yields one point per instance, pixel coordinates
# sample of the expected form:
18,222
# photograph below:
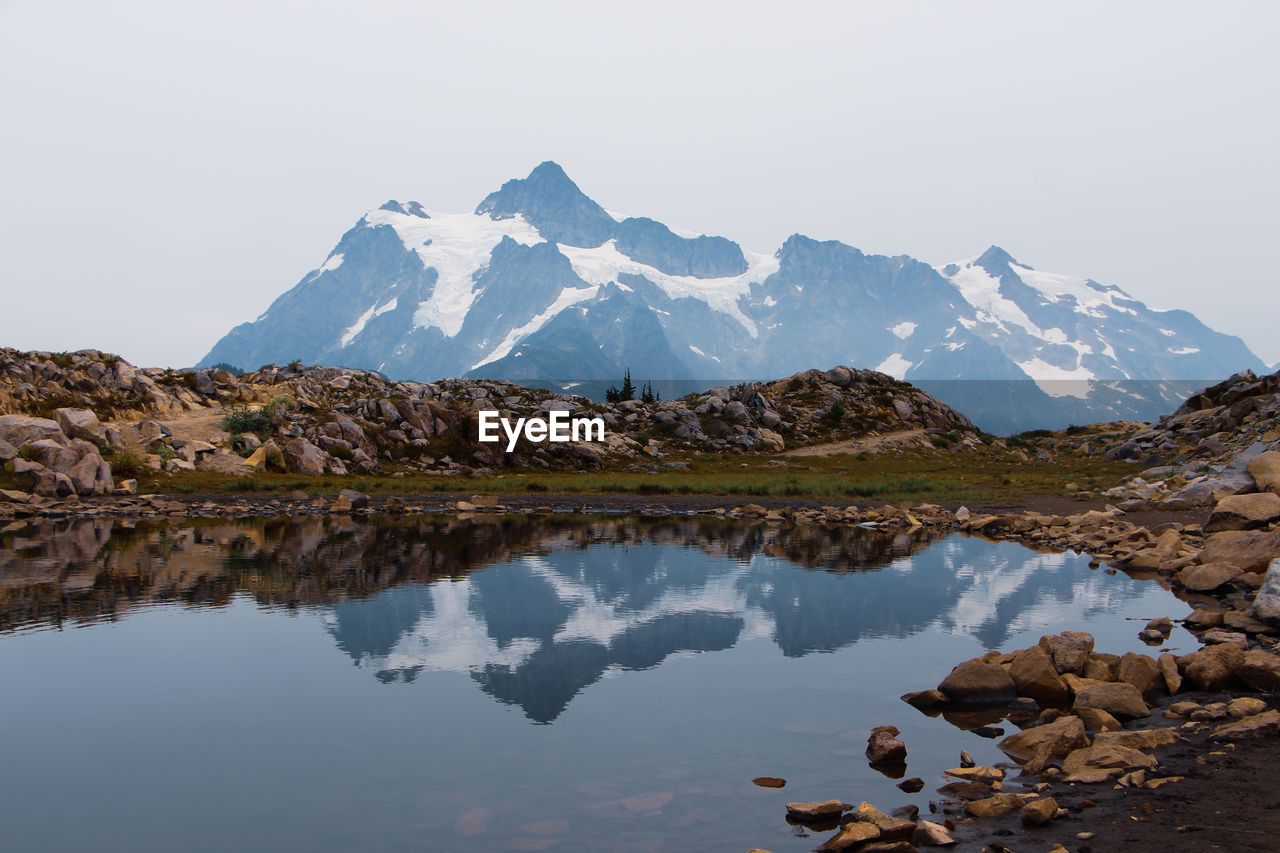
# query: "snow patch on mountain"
330,263
358,326
982,290
457,245
603,264
895,365
904,330
568,296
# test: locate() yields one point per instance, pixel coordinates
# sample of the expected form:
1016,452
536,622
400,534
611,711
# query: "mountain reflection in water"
535,609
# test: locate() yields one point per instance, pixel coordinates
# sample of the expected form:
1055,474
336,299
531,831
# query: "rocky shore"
1099,735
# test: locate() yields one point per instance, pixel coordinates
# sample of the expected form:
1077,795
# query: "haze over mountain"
540,283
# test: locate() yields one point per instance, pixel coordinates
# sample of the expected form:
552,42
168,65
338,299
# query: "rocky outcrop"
54,463
337,421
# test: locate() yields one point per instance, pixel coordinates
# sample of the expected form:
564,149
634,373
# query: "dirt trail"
201,425
870,444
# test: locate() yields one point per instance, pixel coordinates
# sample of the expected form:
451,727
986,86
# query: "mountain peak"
995,257
551,202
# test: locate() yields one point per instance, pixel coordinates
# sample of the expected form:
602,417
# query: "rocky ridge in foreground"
318,421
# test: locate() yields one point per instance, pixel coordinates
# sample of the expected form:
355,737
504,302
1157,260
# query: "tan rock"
1244,512
851,835
997,805
1245,706
817,810
1057,739
1169,672
1265,470
1034,675
884,747
891,828
1069,650
1097,669
1247,550
930,834
1143,672
1143,739
1268,722
976,774
973,683
1097,720
1039,812
1260,670
1076,683
1213,667
1208,577
1104,763
1121,700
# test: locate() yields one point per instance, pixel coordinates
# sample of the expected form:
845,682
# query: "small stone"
1245,706
818,810
769,782
997,805
914,785
1039,812
930,834
851,835
884,747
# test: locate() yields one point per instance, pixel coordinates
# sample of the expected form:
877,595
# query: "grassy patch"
889,477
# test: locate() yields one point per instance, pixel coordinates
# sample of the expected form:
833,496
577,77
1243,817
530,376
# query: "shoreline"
1216,800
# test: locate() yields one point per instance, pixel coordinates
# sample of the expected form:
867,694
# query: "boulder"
1120,700
998,805
851,834
1265,470
925,700
20,429
1213,667
1245,706
1097,720
1169,672
303,457
1247,550
1267,722
1143,672
975,683
1142,739
818,810
82,423
884,747
930,834
1266,605
1104,763
1034,675
1054,740
1208,577
1039,812
1244,512
7,451
1069,650
1260,670
891,828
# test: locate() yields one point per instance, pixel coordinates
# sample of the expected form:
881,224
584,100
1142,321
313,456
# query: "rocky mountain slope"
542,283
317,421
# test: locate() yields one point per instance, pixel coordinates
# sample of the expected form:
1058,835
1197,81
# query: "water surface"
513,683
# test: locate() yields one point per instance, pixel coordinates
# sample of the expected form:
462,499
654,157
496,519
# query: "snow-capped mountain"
537,630
542,283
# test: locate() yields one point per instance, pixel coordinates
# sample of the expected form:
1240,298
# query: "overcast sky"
167,169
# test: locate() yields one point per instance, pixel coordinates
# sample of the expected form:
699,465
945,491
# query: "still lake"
510,683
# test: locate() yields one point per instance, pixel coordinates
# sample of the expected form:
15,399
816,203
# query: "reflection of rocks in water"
536,609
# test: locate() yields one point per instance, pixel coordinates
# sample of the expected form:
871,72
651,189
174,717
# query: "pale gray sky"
167,168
